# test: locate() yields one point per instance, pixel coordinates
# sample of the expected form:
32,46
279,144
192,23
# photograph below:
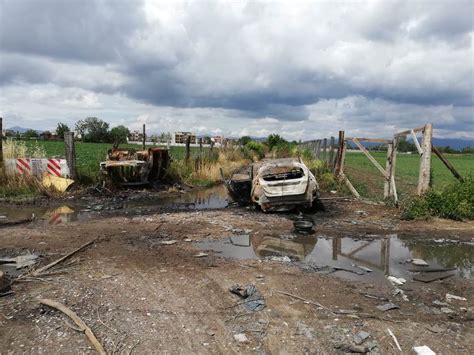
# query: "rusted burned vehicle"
132,167
275,185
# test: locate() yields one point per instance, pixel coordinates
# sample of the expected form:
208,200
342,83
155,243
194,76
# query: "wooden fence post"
188,148
70,151
325,147
144,137
425,161
331,153
388,170
337,164
1,145
318,148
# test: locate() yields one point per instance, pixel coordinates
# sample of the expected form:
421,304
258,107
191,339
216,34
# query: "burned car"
275,185
132,167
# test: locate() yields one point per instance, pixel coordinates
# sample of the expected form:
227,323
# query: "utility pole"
144,137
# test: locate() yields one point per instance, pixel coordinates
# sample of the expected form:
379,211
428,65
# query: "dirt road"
142,296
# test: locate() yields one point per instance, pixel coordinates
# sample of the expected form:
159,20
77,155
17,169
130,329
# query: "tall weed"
455,201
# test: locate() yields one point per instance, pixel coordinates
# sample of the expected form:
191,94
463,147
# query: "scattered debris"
419,262
394,339
447,310
360,337
201,255
283,259
366,269
432,276
168,242
54,263
440,303
450,297
303,329
317,304
400,292
396,281
375,297
20,261
423,350
188,240
5,282
58,183
303,226
438,269
254,300
241,338
387,307
351,348
435,329
87,331
340,268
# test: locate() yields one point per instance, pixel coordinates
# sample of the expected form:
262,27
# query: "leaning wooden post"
447,164
188,149
144,137
70,151
425,161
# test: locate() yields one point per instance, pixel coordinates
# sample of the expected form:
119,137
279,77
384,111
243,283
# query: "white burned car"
276,184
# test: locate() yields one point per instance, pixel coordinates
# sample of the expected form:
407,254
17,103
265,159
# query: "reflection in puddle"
384,255
210,198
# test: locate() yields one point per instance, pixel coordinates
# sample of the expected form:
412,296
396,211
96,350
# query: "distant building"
180,137
135,136
218,140
47,136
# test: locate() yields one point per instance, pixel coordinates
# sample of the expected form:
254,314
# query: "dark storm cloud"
262,59
90,31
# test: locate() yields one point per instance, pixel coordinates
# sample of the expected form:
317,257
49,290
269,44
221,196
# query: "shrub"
254,150
455,201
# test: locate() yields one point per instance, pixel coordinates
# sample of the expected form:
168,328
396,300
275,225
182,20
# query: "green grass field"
365,177
89,155
369,181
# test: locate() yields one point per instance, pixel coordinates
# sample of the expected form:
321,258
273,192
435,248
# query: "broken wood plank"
432,276
83,326
349,185
371,158
371,140
447,163
37,272
408,131
417,144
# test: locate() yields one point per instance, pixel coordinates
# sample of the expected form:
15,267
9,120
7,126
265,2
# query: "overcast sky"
301,69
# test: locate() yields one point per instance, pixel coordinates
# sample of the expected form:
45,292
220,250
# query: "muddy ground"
141,296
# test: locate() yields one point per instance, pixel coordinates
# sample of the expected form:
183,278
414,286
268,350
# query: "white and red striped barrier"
37,167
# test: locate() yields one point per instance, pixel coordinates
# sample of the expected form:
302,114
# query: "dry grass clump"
204,169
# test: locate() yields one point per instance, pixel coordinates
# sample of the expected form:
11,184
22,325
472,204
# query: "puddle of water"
211,198
385,255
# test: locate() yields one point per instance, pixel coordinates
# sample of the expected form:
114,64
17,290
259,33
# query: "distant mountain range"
22,129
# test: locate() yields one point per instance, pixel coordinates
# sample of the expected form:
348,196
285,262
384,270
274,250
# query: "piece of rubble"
450,297
254,300
283,259
439,303
447,310
360,337
5,282
423,350
396,281
419,262
201,255
168,242
241,338
387,307
20,261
